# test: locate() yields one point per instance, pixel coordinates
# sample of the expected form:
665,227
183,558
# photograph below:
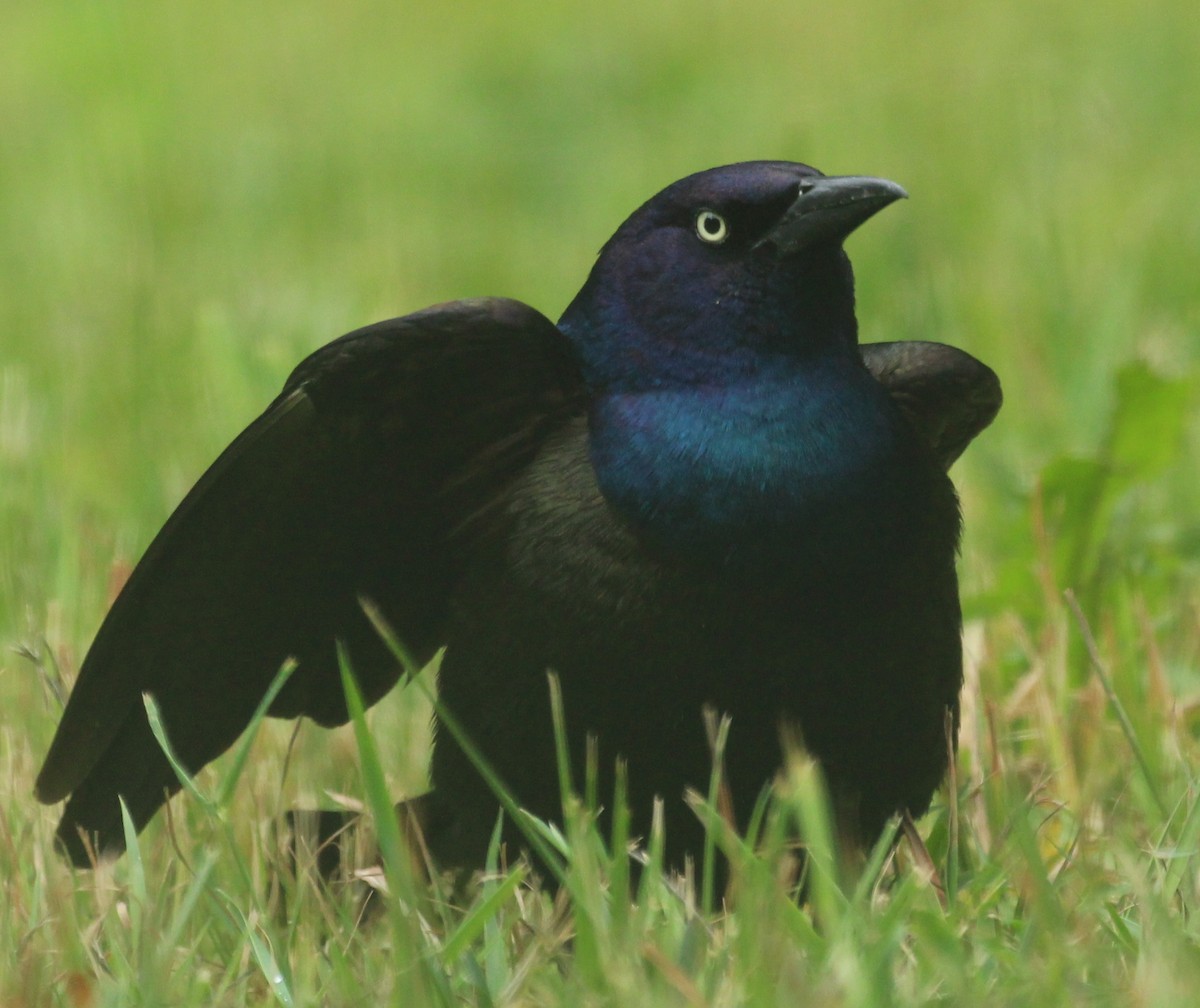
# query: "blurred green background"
193,195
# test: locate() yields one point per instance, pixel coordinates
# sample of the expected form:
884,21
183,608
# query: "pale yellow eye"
711,227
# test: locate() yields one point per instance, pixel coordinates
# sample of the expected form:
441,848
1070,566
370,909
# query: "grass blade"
472,926
551,860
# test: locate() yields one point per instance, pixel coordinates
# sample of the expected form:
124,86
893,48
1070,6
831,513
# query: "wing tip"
65,766
49,787
87,849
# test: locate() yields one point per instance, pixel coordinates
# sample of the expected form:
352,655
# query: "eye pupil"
711,227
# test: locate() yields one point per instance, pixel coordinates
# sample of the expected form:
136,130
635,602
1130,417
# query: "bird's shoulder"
947,395
492,344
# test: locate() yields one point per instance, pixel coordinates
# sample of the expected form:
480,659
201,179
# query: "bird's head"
727,272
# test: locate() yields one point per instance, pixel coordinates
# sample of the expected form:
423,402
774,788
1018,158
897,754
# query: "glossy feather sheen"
758,466
695,490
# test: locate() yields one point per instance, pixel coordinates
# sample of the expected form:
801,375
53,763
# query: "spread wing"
374,474
947,394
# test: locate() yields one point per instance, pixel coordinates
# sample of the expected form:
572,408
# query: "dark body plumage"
697,489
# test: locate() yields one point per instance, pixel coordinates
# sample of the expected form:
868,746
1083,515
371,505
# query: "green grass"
193,195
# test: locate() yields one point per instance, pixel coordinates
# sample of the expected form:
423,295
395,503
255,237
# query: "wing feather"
375,473
948,395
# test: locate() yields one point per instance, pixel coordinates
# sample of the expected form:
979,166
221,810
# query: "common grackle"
696,489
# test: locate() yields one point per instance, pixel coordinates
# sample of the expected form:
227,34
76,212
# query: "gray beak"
828,208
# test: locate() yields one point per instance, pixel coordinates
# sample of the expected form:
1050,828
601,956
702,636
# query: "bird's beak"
828,208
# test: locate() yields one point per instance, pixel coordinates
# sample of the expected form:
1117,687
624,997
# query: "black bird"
697,489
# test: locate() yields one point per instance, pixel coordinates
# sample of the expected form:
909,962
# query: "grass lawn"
193,195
